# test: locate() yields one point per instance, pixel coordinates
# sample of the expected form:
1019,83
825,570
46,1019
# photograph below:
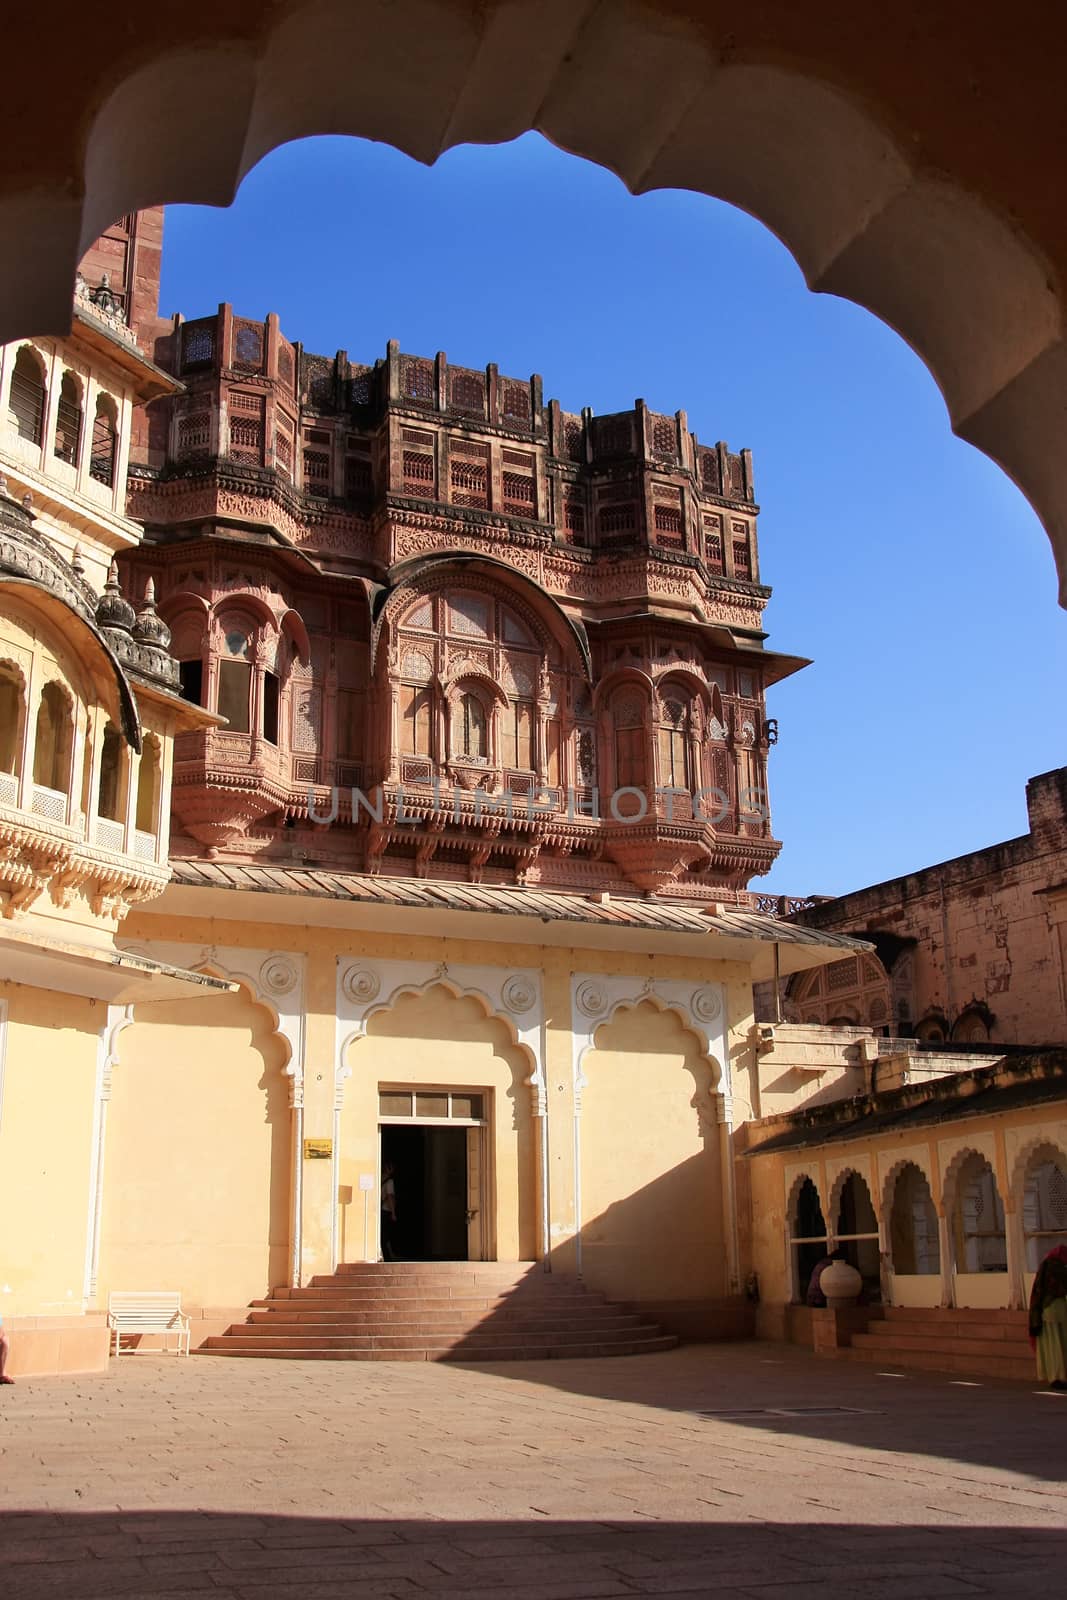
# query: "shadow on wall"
652,1201
233,1556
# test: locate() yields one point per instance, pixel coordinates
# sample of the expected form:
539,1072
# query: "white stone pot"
840,1283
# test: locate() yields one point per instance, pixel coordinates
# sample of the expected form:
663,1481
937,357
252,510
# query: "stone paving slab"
547,1481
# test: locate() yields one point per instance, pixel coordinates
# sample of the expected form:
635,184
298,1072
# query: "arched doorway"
856,1231
807,1236
440,1092
1044,1209
915,1251
977,1234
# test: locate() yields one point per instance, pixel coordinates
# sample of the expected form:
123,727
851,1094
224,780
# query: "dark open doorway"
430,1179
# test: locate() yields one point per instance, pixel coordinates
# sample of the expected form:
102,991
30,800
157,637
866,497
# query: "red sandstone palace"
538,705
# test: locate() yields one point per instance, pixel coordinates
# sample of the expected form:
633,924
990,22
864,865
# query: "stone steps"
545,1350
431,1311
438,1321
982,1343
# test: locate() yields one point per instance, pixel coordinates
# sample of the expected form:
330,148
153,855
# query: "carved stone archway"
513,996
868,147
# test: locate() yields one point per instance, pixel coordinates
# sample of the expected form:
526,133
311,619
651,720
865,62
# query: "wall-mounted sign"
318,1149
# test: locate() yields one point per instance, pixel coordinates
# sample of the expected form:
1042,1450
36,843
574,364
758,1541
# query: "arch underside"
654,99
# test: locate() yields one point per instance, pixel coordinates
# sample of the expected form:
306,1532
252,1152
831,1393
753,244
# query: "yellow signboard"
318,1149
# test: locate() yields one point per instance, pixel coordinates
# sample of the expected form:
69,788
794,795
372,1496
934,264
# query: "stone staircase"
986,1344
438,1311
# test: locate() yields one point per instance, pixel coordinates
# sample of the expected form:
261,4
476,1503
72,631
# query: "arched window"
628,720
972,1026
416,720
857,1229
978,1219
187,644
149,778
1044,1205
69,420
807,1235
54,739
235,680
104,442
111,795
28,396
913,1239
517,746
586,758
675,742
12,720
470,728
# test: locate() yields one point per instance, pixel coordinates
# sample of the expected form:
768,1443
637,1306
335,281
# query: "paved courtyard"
249,1480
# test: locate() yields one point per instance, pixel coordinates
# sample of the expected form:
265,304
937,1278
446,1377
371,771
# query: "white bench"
148,1311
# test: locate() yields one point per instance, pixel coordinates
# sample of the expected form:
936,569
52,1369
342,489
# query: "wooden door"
476,1235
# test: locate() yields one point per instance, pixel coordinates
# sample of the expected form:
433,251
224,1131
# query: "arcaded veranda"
309,1481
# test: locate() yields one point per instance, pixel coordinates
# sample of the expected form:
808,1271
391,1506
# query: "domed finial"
113,610
77,565
150,628
27,503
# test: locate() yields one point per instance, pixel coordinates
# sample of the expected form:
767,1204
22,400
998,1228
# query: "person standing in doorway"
388,1221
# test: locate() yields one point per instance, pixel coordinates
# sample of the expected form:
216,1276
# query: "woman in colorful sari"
1048,1318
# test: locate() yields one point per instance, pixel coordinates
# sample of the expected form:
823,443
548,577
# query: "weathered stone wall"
985,927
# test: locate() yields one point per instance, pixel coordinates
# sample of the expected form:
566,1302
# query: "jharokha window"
235,681
28,396
104,443
675,739
53,747
470,727
416,720
69,420
12,719
451,648
628,720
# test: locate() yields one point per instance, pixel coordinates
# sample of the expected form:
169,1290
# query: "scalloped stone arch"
951,1176
835,1194
655,1002
449,572
891,1179
1038,1145
686,678
615,679
361,995
173,605
663,102
470,672
16,670
237,601
458,991
794,1194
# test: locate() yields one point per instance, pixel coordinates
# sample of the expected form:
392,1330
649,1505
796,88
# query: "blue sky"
902,561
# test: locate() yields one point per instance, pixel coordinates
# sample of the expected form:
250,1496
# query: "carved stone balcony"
41,852
225,784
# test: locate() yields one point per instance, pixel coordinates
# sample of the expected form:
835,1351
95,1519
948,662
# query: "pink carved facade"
529,637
